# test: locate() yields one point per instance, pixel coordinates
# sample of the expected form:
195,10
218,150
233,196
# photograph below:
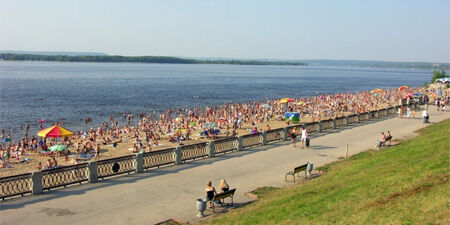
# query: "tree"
438,74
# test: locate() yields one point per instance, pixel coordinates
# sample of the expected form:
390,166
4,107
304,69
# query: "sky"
392,30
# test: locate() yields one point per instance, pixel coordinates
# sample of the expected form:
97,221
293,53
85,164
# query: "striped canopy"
55,131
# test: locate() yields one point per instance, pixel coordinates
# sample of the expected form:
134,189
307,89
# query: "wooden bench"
380,145
222,196
296,170
388,139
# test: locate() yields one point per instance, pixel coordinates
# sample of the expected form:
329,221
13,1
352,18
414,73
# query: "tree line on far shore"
137,59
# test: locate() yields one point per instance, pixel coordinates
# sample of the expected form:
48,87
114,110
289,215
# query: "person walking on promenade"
294,136
425,116
305,137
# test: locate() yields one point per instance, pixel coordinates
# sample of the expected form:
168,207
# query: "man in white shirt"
425,116
305,137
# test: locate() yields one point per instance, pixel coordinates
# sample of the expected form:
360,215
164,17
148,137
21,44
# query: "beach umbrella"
193,123
178,119
211,125
55,131
300,103
418,93
58,148
376,90
402,88
285,100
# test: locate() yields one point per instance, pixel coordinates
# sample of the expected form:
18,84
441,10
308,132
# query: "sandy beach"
126,147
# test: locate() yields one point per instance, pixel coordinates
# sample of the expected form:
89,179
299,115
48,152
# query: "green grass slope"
404,184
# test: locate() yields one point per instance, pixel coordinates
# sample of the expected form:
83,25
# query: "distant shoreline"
137,59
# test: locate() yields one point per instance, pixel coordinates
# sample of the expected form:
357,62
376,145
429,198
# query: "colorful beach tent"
55,131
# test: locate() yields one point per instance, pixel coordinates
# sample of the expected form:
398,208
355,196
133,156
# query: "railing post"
319,126
177,155
334,123
139,162
36,183
286,135
346,120
358,119
92,172
240,144
264,138
212,149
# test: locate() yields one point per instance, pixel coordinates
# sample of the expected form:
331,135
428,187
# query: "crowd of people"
176,126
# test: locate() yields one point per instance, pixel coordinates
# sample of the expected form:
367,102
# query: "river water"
70,92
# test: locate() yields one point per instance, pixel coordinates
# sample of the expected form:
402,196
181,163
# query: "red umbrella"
55,131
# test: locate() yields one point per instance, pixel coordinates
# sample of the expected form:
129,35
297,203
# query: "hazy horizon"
413,31
200,57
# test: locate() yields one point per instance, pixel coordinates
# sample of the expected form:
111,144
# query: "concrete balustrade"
92,172
139,162
264,138
211,148
177,155
240,144
36,183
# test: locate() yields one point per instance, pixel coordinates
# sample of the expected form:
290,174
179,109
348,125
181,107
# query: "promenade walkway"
171,192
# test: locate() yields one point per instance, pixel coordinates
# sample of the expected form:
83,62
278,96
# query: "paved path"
170,192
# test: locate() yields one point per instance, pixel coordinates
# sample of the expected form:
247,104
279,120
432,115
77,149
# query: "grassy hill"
405,184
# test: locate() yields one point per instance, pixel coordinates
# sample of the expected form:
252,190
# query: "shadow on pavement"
75,189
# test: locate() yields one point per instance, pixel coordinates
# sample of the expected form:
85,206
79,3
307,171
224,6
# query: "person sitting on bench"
381,141
223,186
389,137
210,192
